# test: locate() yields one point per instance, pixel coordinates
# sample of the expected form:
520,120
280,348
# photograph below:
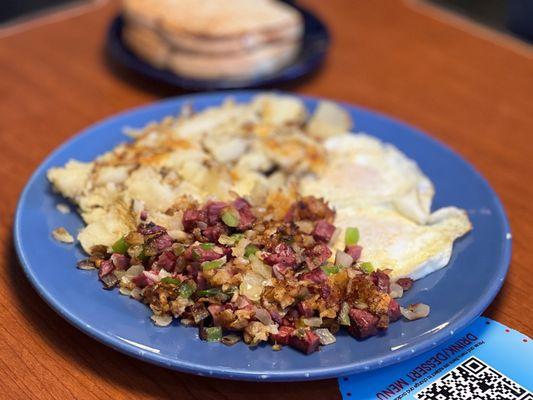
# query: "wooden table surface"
467,87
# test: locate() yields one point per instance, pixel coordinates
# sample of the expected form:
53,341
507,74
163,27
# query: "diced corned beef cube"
354,251
212,233
305,310
394,311
196,253
362,323
323,231
167,260
246,218
307,344
141,280
279,271
317,276
226,250
381,280
190,218
405,283
275,317
151,229
317,255
214,309
283,255
120,261
243,302
106,267
283,335
325,291
163,242
213,209
287,322
201,282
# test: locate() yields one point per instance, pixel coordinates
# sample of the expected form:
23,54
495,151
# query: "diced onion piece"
125,291
85,265
325,336
134,270
396,291
110,281
136,293
163,273
343,259
153,277
187,322
260,267
336,233
313,322
252,286
162,320
305,226
344,317
240,249
230,240
263,316
415,311
230,340
119,273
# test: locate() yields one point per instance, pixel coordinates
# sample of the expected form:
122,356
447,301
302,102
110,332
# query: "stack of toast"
214,39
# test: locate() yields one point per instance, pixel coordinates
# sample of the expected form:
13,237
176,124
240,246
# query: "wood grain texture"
472,93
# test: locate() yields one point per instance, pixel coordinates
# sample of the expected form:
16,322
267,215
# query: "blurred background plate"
457,294
314,48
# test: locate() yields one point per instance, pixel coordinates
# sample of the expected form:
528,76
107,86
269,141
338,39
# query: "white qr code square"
474,380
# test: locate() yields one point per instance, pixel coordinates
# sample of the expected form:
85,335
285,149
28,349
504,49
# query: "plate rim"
239,374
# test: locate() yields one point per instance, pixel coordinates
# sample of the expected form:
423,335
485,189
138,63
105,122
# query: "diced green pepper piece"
215,264
207,246
178,249
237,236
208,292
351,237
120,246
186,290
250,250
330,269
366,267
213,334
230,218
170,280
195,254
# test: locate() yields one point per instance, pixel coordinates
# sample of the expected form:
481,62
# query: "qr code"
474,380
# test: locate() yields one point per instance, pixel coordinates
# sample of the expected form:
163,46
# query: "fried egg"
392,241
363,171
376,188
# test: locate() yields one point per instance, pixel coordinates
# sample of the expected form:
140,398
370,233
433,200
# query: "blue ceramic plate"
457,294
313,51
